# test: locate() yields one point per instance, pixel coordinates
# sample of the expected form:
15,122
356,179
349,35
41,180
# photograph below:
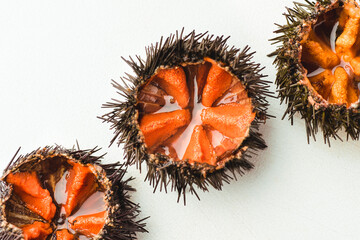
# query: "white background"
56,62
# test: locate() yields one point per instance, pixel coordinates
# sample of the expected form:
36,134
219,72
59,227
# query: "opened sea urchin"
319,66
55,193
192,112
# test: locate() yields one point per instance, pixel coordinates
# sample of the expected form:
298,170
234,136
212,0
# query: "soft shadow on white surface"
56,62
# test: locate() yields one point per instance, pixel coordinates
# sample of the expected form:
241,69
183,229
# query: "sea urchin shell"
55,193
192,112
319,66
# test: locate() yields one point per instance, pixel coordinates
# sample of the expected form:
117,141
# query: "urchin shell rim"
293,89
122,225
192,48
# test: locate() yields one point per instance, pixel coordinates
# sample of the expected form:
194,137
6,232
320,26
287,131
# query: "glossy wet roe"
331,55
67,202
194,112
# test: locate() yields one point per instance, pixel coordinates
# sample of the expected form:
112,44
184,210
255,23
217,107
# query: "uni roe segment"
196,112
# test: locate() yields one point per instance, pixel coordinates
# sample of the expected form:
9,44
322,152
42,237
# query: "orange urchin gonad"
319,66
55,193
192,112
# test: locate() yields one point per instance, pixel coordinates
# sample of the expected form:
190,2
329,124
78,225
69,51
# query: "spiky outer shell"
121,222
175,51
299,97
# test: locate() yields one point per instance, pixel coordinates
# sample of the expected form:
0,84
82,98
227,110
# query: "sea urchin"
55,193
192,112
318,66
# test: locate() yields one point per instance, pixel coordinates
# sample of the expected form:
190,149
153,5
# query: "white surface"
56,62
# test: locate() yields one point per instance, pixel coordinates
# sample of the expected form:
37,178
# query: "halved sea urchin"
319,66
55,193
191,112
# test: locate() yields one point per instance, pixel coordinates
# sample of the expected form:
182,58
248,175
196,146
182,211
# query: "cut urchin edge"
318,66
66,194
192,112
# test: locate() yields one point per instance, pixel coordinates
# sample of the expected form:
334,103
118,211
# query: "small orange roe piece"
226,145
88,225
80,185
339,90
323,82
236,93
347,39
355,64
221,143
352,94
199,148
349,42
344,16
37,199
160,126
173,81
239,91
233,120
316,53
36,231
217,83
201,76
64,234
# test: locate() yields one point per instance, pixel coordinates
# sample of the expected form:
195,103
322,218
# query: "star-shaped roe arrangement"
70,202
196,112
